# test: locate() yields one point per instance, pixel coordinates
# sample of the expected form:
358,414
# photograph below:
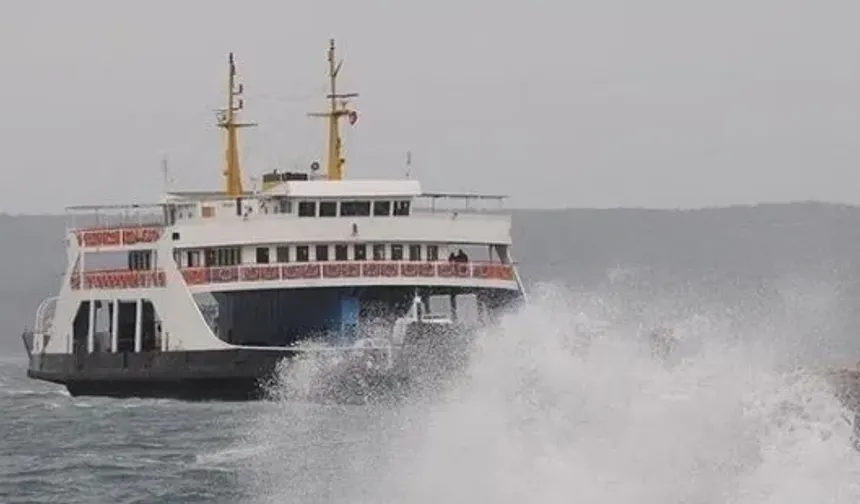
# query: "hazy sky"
660,103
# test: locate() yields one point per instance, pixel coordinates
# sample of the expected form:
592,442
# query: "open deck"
115,225
283,275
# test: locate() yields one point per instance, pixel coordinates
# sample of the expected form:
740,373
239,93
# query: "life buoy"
312,271
389,270
225,275
351,270
331,270
250,274
129,236
370,269
150,235
291,272
111,238
270,273
445,270
194,276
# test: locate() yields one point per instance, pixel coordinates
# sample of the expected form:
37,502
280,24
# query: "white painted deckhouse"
200,295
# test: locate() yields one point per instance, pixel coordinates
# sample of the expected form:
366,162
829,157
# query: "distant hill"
697,253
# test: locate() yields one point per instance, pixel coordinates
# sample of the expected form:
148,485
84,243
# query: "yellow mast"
227,120
334,158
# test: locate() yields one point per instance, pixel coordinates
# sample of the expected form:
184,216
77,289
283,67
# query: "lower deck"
275,318
118,348
337,315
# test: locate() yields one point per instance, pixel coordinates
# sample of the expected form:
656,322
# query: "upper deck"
317,206
303,211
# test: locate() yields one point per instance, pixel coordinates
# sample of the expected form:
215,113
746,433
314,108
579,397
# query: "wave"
564,400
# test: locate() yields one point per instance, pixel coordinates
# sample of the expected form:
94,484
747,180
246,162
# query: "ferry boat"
202,295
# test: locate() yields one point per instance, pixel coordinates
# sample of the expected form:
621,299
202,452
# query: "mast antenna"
408,163
337,109
227,120
166,172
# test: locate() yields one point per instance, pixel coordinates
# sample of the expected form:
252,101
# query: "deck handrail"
44,321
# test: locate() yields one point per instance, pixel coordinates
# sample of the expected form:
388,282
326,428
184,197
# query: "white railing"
459,203
115,216
45,316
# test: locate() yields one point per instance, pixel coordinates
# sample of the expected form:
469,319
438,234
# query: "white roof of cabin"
347,188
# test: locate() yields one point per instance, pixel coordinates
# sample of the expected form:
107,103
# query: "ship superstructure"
202,294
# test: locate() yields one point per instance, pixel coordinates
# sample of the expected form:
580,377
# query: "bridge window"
283,254
328,208
230,256
340,252
397,252
355,208
307,208
140,260
302,253
285,205
432,252
401,208
225,256
321,253
378,252
359,252
415,252
192,258
381,208
262,255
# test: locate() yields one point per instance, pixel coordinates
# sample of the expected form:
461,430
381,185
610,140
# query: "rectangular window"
262,255
415,252
432,252
140,260
285,205
226,256
302,253
321,253
397,252
401,208
355,208
307,208
211,258
381,208
379,252
283,254
359,252
341,253
328,208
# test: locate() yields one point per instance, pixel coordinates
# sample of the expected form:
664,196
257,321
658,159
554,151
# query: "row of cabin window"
353,208
232,256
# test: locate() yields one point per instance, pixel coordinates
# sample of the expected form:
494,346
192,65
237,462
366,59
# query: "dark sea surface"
56,448
562,401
